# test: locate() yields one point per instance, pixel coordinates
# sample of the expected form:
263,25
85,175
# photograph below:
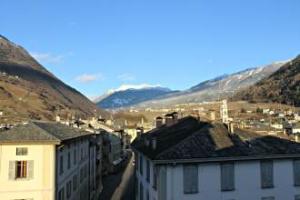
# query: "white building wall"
247,182
82,163
147,186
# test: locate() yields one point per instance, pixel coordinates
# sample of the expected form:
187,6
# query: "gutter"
226,159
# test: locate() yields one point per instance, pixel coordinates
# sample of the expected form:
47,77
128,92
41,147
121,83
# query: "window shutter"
30,169
296,166
266,174
227,177
190,178
12,170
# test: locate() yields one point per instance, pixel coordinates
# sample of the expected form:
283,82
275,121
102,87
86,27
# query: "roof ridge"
182,141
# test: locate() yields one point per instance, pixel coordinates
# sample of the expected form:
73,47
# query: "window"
266,171
22,151
137,162
141,191
190,179
61,194
147,195
136,187
74,157
268,198
141,165
69,160
81,174
296,169
155,172
75,182
148,171
61,165
69,189
227,177
20,170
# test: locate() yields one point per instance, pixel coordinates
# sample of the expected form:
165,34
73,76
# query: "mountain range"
220,87
28,90
283,86
131,96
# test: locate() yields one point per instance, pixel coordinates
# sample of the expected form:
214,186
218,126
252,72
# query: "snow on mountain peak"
131,86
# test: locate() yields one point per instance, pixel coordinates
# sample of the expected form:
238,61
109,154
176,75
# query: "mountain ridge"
32,92
222,86
283,86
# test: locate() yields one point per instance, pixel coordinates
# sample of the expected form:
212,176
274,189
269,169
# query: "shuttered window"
75,182
20,170
268,198
190,179
227,177
266,170
69,160
141,165
141,191
147,195
148,171
61,194
75,157
69,189
61,165
297,197
296,169
155,174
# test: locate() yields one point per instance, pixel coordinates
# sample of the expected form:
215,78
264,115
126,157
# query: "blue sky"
98,45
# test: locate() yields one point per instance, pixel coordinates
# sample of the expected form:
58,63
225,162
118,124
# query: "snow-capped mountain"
129,95
219,87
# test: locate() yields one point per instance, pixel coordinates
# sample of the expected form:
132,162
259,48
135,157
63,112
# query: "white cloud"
131,86
47,57
87,78
126,77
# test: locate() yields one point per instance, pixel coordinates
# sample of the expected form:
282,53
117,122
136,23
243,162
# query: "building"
224,111
99,159
194,160
47,161
112,151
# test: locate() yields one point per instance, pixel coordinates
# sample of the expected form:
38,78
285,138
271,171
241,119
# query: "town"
73,159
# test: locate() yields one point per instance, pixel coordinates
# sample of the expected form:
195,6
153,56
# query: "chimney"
297,138
154,143
231,127
171,118
159,122
175,117
139,131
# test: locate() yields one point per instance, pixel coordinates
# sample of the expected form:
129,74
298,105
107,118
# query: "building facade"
199,160
47,161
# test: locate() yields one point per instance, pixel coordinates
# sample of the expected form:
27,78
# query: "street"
119,186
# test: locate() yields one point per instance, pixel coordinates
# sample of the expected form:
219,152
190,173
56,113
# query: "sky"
99,45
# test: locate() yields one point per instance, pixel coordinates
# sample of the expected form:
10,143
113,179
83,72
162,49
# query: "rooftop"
190,139
41,132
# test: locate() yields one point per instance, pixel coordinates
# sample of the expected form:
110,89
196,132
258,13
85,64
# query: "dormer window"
21,151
